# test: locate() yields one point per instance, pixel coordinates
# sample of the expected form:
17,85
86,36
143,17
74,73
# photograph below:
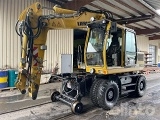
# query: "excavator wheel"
53,96
140,86
108,94
77,107
94,91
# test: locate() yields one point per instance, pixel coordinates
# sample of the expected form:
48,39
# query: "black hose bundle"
107,14
26,28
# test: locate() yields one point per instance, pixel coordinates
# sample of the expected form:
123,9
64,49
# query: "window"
130,42
96,39
152,55
94,55
131,51
109,40
113,48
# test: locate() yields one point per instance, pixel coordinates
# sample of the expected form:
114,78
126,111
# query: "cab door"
130,48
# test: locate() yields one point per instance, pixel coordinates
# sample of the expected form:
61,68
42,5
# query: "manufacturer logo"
84,23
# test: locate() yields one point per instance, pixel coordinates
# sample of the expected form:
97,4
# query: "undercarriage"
104,90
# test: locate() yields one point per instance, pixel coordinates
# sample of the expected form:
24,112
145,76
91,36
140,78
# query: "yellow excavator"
110,57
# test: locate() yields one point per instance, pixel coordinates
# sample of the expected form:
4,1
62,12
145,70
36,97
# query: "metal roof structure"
140,15
154,3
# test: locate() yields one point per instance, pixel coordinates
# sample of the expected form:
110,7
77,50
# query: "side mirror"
113,27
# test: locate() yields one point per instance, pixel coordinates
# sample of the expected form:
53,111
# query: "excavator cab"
109,46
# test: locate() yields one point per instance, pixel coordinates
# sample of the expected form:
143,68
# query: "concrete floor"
145,108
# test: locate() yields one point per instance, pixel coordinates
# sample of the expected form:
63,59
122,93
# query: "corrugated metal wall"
59,41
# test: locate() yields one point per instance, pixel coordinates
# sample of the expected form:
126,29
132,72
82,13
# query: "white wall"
59,41
143,45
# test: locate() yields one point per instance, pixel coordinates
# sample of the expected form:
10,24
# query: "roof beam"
156,37
130,7
147,31
134,19
116,7
131,27
64,1
148,6
123,20
145,6
142,6
136,10
76,4
56,2
114,13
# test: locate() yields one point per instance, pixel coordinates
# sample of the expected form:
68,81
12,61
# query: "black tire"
53,96
77,107
140,86
94,92
108,94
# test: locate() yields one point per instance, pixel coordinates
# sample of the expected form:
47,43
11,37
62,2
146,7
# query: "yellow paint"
105,43
3,79
63,11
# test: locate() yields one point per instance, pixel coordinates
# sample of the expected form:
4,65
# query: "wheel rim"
142,86
110,94
54,94
78,108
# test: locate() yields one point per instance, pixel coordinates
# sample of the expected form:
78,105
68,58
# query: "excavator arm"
32,27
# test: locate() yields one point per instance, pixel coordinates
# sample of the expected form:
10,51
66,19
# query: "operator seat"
114,48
